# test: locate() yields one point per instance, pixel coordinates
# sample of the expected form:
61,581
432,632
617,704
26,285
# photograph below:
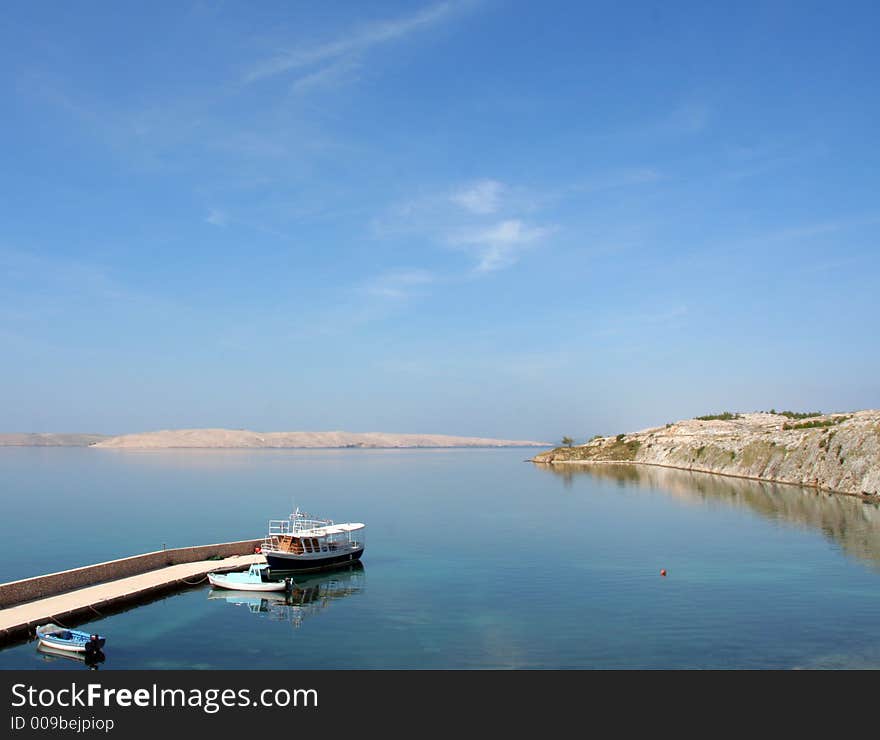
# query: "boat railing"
280,527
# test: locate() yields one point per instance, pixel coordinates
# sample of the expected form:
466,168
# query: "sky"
478,217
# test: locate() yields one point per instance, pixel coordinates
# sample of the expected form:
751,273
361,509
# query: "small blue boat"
73,641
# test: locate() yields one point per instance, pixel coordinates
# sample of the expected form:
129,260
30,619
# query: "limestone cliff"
834,452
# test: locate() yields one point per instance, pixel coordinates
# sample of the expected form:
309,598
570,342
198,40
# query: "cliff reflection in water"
310,595
850,522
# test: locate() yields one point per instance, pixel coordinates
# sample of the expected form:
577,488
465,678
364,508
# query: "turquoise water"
474,559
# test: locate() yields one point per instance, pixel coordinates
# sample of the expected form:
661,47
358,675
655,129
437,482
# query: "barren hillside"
835,452
228,438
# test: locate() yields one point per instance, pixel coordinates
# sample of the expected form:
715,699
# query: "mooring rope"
53,618
196,583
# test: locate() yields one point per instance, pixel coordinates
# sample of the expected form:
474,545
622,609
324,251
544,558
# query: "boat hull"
67,647
50,653
281,562
71,645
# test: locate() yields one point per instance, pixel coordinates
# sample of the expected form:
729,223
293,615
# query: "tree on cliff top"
567,441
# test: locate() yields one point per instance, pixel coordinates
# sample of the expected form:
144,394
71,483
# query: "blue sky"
493,218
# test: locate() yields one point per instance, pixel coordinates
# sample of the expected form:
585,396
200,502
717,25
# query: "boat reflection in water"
310,594
849,522
90,661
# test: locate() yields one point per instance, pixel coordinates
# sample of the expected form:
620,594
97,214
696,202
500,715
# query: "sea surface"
474,559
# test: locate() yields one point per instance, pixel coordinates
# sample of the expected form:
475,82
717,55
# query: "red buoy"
663,572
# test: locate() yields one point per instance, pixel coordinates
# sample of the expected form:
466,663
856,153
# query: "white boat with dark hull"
302,543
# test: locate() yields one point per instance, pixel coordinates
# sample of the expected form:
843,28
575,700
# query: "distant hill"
835,452
242,438
49,440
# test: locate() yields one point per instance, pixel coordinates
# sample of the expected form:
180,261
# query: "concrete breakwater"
833,452
83,593
52,584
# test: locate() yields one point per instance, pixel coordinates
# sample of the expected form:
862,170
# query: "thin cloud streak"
333,75
399,284
801,232
664,317
357,42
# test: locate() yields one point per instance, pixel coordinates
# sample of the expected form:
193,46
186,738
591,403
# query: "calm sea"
474,559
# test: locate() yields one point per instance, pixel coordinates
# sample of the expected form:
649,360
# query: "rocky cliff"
834,452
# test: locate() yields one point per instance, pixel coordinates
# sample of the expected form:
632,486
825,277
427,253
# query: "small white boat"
257,578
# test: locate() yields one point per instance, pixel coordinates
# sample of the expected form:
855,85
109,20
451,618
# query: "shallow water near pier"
474,559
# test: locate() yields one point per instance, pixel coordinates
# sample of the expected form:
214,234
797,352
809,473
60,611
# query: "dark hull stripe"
295,565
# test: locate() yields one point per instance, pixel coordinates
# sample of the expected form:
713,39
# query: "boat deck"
18,621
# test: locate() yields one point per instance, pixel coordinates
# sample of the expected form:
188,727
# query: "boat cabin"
301,535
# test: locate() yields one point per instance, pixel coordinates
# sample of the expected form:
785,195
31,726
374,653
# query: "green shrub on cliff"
796,414
817,423
724,416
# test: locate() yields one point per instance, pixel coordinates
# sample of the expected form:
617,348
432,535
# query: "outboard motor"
93,646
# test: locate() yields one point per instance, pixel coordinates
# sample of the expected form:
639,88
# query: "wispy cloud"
481,197
637,322
399,284
216,217
487,219
41,290
500,245
803,232
349,47
688,118
606,181
340,72
374,299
